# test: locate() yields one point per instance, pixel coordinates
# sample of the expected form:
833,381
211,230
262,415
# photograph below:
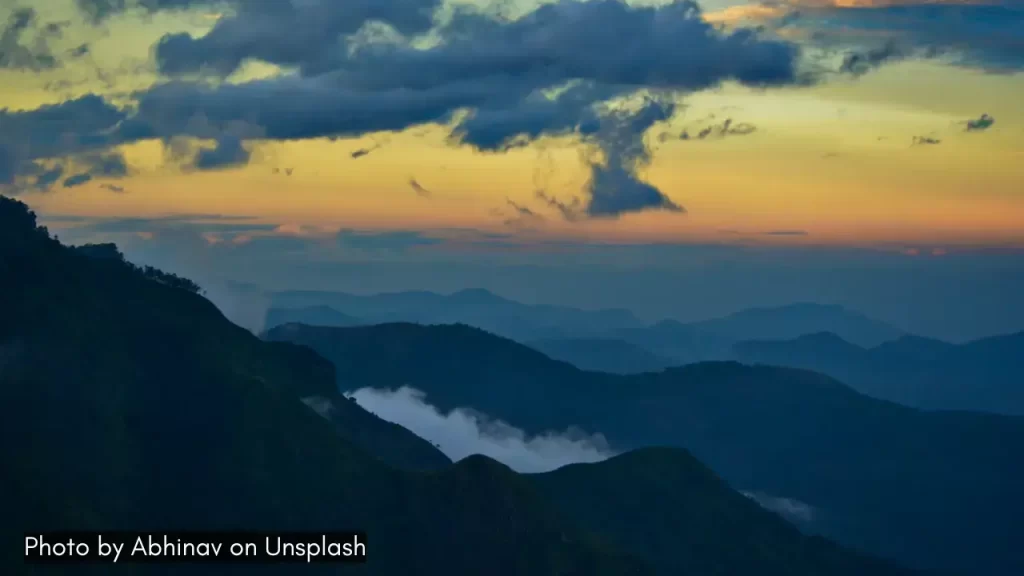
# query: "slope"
642,499
984,375
936,490
311,315
601,355
136,405
794,320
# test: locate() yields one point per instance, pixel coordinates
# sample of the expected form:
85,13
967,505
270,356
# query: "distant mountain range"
931,489
985,375
613,340
871,356
602,355
128,401
475,307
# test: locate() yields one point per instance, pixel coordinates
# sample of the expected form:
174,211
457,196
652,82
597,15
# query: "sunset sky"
517,128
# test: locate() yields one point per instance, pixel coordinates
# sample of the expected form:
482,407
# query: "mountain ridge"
138,406
983,375
873,469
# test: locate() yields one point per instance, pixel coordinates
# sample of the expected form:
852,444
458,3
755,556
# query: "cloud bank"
462,433
368,66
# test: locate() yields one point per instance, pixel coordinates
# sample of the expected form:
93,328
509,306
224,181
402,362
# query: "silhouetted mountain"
311,315
678,342
131,403
128,401
475,307
937,490
580,336
985,375
795,320
602,355
640,503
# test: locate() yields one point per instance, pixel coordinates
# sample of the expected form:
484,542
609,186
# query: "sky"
681,159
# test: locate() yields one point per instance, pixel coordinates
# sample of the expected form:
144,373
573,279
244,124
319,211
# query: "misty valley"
511,287
457,433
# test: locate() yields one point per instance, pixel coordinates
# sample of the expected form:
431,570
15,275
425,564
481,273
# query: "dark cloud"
48,178
104,165
113,188
926,141
80,51
399,241
77,180
604,41
859,63
786,233
228,153
498,73
57,131
266,30
520,209
97,11
570,211
614,186
8,166
978,35
216,223
18,51
980,124
419,189
523,217
360,153
726,128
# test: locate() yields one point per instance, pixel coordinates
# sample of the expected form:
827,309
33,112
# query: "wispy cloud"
419,189
465,432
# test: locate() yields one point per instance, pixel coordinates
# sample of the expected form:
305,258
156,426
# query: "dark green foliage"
696,529
937,490
110,253
128,403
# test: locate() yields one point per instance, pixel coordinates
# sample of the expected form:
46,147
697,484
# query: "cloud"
228,153
614,186
793,510
926,141
571,211
400,241
77,180
79,131
113,188
266,30
726,128
505,82
462,432
96,11
419,189
172,226
19,53
982,34
786,233
859,63
49,177
980,124
523,217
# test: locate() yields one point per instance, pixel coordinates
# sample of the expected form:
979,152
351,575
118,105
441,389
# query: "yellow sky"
835,161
